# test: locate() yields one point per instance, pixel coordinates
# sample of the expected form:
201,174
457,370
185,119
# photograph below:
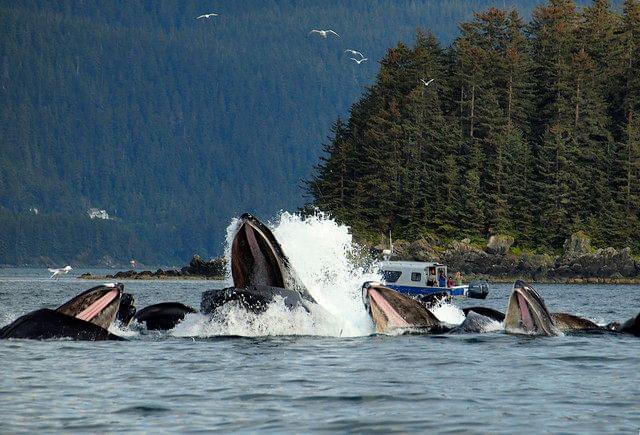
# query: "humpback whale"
527,312
260,271
163,316
127,309
84,317
391,310
631,326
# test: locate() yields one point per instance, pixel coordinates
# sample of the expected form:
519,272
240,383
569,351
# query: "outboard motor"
478,290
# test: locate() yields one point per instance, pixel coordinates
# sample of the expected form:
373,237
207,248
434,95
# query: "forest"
175,125
530,128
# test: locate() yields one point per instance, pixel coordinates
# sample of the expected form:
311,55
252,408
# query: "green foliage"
533,131
174,125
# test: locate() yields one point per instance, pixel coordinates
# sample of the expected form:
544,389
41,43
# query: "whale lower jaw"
255,298
47,324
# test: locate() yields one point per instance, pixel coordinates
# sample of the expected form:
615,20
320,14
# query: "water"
319,371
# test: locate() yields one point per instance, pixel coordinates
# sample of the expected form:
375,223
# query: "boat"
415,278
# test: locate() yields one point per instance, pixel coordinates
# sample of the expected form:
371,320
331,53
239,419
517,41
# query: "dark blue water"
467,383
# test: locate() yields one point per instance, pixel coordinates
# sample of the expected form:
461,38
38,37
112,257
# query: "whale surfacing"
84,317
260,271
390,310
527,313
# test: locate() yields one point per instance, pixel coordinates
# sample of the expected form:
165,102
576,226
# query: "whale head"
391,310
257,259
527,312
98,305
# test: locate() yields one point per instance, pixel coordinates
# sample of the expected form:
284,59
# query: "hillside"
174,125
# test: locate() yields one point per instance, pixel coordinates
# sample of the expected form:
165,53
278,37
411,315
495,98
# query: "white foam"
117,328
447,313
326,260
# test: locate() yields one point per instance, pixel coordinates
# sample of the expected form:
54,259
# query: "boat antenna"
387,253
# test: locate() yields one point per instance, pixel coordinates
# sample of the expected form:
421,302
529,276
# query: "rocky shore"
498,262
197,269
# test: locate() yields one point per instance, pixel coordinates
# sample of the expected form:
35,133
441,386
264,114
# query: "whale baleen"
260,271
527,312
391,310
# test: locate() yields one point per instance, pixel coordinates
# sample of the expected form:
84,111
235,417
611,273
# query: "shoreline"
469,278
88,276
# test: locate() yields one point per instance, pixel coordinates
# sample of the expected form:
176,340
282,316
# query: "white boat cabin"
413,273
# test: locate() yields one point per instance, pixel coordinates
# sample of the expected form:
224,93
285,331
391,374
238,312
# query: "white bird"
358,61
206,16
323,33
354,52
57,272
426,83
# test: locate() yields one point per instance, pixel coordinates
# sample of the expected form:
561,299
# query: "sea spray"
326,260
447,313
324,255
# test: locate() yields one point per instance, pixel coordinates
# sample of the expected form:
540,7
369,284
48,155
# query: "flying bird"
206,16
426,83
358,61
57,272
324,33
354,52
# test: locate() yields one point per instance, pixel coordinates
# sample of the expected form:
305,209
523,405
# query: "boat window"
416,276
391,275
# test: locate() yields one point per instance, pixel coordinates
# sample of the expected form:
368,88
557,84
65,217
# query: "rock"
400,250
422,250
211,268
499,244
577,245
603,263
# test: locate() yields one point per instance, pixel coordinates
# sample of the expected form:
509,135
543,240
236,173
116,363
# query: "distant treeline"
174,125
530,129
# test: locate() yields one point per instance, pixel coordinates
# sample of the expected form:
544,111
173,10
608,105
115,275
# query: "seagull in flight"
324,33
358,61
57,272
199,17
354,52
426,83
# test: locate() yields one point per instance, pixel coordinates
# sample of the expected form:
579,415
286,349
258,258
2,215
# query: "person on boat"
442,279
431,278
458,278
451,282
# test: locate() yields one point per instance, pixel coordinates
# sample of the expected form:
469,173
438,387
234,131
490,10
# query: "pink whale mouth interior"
525,314
96,308
395,319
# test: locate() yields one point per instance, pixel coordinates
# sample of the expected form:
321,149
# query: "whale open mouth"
527,312
391,310
256,255
98,305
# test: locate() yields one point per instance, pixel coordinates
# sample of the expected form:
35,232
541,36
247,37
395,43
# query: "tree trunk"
473,106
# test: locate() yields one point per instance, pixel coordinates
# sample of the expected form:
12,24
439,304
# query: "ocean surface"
322,371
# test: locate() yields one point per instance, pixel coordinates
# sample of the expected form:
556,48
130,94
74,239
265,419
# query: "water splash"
447,313
326,260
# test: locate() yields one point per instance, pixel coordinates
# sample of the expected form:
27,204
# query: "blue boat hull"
420,291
